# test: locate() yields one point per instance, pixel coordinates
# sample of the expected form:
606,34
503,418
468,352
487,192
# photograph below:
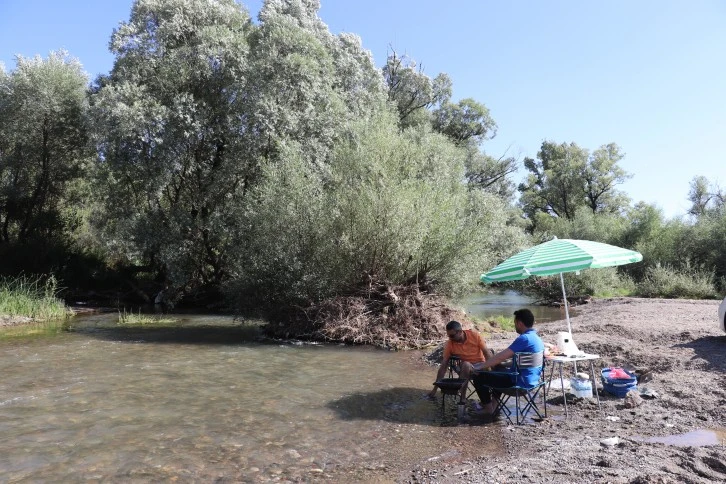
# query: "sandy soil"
680,343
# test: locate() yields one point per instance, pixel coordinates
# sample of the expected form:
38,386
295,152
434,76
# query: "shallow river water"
208,401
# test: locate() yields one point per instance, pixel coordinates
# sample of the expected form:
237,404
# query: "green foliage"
605,282
200,105
503,322
490,174
467,121
168,129
413,92
566,177
44,153
705,197
585,224
31,297
391,208
687,282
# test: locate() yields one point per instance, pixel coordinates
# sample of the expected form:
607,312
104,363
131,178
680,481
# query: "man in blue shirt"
527,341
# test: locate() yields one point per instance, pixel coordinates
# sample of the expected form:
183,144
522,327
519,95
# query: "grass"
505,323
32,298
46,328
134,319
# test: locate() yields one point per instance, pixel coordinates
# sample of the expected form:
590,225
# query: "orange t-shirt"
471,350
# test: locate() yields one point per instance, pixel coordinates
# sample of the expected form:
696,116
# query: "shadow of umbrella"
401,405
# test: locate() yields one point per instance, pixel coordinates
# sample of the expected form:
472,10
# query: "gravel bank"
679,342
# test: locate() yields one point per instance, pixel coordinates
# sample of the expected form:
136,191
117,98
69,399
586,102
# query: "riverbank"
680,344
6,320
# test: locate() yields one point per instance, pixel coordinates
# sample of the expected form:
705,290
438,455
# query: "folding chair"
524,396
451,385
455,368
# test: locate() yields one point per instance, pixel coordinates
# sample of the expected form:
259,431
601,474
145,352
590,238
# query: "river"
207,400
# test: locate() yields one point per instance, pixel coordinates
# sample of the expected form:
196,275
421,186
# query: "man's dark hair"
524,315
455,325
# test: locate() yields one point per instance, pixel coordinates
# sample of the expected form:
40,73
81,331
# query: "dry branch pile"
395,317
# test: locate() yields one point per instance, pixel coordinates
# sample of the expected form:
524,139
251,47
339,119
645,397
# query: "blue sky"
647,75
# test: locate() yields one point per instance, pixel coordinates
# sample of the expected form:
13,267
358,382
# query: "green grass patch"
46,328
31,297
139,319
505,323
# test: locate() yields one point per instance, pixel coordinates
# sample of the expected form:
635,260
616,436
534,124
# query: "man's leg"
482,383
464,372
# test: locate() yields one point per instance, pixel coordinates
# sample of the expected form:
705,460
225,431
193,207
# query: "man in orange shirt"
471,349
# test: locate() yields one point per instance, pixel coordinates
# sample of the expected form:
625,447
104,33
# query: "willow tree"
306,83
171,129
392,210
43,148
199,101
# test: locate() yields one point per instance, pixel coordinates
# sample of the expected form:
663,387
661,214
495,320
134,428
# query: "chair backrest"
529,368
529,360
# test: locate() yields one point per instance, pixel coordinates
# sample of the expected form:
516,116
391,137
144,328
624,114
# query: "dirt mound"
388,316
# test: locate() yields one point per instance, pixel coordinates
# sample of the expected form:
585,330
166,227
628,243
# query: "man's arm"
485,349
498,358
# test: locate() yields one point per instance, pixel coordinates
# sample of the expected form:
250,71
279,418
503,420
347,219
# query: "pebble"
610,442
632,399
612,418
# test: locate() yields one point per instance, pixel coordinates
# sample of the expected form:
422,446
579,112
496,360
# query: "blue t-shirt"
527,342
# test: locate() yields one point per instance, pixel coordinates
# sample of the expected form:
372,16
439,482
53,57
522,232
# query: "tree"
465,122
413,92
200,101
391,210
565,177
602,173
44,153
705,197
304,82
490,174
171,119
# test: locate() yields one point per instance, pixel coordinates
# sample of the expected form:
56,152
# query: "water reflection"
493,304
696,438
109,403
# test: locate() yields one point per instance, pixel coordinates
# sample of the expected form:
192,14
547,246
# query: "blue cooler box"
618,386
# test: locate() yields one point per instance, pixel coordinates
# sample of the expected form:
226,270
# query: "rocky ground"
680,344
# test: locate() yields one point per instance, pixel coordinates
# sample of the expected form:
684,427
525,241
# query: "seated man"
469,347
527,341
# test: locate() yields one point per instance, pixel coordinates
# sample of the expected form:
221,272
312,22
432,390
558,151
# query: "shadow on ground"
710,348
401,405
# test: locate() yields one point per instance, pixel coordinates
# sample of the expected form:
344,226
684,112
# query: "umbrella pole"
567,309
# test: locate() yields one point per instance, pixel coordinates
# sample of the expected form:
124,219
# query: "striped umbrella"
558,256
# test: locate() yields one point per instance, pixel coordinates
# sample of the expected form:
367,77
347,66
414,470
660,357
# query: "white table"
561,360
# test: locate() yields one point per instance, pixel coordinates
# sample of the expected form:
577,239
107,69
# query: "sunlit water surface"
207,401
493,304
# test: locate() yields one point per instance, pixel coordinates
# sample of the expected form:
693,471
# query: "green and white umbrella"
558,256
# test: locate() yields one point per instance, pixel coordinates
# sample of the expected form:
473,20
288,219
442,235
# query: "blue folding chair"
524,395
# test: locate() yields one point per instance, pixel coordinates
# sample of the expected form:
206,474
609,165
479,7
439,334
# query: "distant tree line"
272,163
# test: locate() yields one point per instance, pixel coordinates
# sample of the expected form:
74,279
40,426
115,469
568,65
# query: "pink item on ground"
618,373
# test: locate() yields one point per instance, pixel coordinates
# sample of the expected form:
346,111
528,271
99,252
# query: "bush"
606,282
668,282
390,208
